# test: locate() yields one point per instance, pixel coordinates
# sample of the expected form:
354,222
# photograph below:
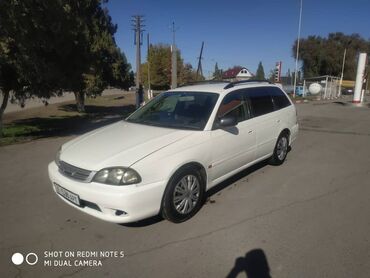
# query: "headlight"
117,176
57,158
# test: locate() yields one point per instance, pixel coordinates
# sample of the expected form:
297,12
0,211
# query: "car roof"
221,88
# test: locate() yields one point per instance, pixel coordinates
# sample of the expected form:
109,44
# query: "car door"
285,117
265,118
233,146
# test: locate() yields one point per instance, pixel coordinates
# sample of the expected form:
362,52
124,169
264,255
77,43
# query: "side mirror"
228,120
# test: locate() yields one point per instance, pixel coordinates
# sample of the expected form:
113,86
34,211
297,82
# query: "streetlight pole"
148,61
341,75
297,53
174,59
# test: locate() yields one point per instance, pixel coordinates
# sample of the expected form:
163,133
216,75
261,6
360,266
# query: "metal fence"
326,87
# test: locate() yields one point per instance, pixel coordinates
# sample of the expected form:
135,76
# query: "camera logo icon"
31,258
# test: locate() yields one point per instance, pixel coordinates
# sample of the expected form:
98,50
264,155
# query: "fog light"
120,212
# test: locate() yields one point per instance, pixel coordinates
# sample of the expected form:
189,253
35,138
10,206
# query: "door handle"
249,132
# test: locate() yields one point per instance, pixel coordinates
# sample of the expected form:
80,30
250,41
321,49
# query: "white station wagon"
165,156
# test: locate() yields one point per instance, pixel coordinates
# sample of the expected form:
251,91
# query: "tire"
280,150
184,195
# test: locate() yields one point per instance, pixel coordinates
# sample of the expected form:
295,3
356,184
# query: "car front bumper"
117,204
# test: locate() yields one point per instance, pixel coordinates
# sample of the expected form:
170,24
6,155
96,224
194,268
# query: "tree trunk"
2,109
80,101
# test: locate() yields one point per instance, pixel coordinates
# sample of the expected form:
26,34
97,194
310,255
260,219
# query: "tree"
47,47
288,74
101,62
299,77
28,67
271,77
187,74
217,74
324,56
8,81
131,78
260,74
160,68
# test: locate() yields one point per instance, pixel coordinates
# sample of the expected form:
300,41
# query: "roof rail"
232,84
204,82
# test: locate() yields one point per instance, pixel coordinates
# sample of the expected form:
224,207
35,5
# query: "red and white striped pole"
359,77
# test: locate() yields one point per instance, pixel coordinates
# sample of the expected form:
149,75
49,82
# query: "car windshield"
182,110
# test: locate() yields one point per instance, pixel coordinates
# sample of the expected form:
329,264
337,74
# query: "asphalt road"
309,217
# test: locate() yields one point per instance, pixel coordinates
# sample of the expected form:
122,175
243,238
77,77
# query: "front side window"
233,104
182,110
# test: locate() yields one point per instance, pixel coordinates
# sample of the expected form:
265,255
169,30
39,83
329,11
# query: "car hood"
119,144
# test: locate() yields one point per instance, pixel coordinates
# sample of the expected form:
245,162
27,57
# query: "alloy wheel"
186,194
282,148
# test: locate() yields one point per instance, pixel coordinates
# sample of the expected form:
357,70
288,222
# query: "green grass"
14,133
14,130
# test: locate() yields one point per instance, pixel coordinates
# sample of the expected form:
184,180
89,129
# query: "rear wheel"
184,196
281,150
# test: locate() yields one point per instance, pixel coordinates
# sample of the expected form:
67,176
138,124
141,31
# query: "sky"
236,32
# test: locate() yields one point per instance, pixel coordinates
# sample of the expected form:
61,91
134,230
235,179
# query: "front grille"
74,172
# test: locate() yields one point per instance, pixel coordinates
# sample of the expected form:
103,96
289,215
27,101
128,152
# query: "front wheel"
183,196
281,150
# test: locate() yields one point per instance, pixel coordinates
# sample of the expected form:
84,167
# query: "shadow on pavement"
254,264
94,117
217,188
145,222
101,110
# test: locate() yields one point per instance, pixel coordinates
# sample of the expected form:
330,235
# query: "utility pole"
199,69
174,59
137,24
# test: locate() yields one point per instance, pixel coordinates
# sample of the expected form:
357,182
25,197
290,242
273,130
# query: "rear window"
260,101
279,99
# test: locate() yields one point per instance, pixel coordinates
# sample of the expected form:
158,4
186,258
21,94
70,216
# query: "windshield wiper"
183,126
168,125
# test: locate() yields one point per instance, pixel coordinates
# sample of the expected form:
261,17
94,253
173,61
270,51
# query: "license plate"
70,196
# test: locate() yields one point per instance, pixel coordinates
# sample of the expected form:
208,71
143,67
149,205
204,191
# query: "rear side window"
260,100
279,99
